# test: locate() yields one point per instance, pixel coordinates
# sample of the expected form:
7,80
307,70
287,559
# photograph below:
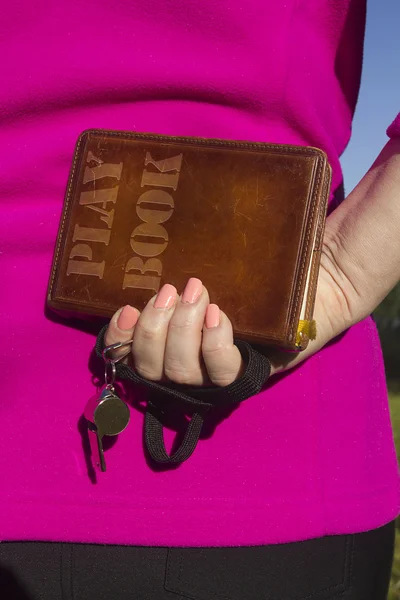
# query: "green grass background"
394,395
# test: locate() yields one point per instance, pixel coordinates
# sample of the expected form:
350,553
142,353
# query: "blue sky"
379,99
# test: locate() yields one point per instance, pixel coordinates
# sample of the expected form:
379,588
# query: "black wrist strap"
198,400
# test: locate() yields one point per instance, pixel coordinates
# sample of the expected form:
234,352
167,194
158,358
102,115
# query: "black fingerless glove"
199,400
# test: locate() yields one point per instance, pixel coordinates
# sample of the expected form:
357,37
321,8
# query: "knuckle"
179,374
147,372
221,363
216,349
222,379
180,377
182,326
146,333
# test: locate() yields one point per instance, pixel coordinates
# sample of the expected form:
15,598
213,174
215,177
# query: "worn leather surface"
143,210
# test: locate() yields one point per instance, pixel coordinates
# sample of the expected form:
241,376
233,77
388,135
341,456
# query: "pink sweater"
314,453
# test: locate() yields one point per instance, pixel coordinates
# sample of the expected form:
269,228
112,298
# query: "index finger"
121,328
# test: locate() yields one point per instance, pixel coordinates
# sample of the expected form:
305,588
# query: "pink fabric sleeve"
394,129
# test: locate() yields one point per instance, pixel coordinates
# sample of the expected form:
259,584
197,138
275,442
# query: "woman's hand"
187,340
360,261
183,339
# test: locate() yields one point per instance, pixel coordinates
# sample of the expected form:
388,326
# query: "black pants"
348,567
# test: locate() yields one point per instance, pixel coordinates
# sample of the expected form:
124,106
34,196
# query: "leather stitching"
190,141
294,310
317,254
60,236
193,141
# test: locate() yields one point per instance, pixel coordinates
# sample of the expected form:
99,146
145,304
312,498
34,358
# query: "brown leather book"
246,218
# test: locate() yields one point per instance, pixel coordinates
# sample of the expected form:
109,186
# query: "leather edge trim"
187,140
82,141
317,254
314,201
309,151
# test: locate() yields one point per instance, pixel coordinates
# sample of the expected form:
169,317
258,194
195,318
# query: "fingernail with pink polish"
212,316
127,318
192,291
165,297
